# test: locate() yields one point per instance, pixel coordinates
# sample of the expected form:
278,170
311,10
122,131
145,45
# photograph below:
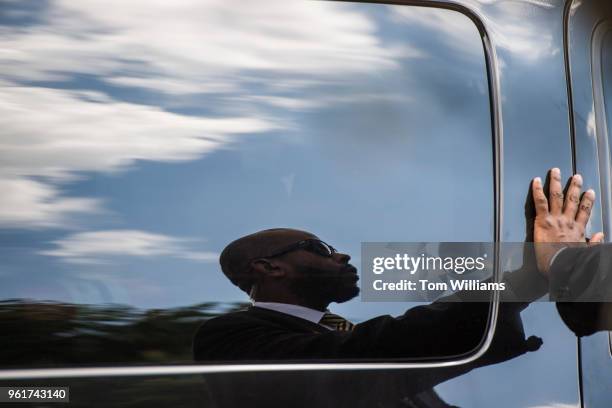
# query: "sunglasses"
315,246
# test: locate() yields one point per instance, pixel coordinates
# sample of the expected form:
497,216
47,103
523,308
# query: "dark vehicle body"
110,245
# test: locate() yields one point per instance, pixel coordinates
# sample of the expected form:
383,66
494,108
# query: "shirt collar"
302,312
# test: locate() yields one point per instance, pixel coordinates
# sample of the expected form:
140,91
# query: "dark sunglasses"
315,246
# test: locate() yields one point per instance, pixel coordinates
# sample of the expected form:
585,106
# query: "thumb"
597,238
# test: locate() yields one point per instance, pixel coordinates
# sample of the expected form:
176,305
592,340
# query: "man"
578,271
293,277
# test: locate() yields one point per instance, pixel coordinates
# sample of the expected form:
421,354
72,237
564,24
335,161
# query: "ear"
265,267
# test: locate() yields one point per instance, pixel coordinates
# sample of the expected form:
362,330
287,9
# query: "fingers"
572,199
584,210
555,190
539,198
597,238
572,207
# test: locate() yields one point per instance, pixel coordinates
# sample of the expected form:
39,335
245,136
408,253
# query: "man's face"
314,276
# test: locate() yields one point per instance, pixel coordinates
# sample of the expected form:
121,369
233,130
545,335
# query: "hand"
560,223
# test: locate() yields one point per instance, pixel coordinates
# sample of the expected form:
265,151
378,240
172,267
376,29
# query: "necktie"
336,322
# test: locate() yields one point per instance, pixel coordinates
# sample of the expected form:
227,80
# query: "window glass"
139,139
606,76
606,67
601,115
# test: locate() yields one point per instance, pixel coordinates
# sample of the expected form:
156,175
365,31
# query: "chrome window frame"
601,127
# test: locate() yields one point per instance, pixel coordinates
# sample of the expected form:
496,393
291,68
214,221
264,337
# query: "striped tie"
336,322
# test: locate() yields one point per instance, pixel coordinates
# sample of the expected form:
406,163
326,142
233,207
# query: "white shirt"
302,312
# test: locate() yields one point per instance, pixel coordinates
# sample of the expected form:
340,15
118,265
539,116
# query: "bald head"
236,258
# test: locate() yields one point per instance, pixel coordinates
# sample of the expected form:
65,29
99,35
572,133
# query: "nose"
342,257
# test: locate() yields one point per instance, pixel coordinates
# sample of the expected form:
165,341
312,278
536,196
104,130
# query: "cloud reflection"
194,45
100,246
225,48
29,203
52,134
510,30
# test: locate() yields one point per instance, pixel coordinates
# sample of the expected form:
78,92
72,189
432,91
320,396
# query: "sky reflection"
138,139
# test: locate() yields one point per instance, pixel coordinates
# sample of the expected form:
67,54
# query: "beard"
325,286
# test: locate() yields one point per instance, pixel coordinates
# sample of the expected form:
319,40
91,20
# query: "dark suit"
257,334
439,329
581,283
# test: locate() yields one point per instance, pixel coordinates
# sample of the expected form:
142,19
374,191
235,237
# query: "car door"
138,149
588,52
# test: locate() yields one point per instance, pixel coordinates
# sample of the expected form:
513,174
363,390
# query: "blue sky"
135,154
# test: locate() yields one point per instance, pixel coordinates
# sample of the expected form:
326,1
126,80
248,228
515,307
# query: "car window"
138,141
588,28
599,120
606,65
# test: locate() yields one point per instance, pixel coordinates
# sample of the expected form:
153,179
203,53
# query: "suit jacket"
439,329
257,334
581,283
